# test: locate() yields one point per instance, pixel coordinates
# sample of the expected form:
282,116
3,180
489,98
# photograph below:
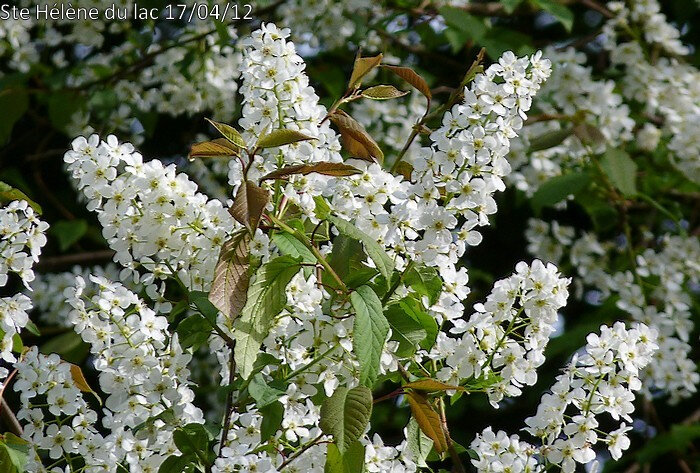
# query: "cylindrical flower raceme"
602,380
153,217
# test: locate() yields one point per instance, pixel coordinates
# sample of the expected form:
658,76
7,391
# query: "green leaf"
418,444
272,414
462,27
263,393
17,344
290,245
354,458
621,170
404,329
374,250
510,5
322,209
550,139
500,39
204,306
425,281
231,278
413,309
62,105
193,331
345,415
383,92
68,232
334,460
192,438
32,328
281,137
352,461
229,132
558,188
9,193
266,299
13,103
62,344
179,463
370,331
677,440
13,451
558,11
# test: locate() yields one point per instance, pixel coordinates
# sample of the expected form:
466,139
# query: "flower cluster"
602,380
572,94
142,369
667,87
175,82
45,380
507,334
671,273
276,94
21,239
152,216
47,291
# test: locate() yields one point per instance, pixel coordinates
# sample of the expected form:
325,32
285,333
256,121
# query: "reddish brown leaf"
428,420
249,204
327,169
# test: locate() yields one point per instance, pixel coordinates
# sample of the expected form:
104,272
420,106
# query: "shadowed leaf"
228,291
327,169
249,204
355,138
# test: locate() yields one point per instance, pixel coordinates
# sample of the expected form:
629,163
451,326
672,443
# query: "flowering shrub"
308,291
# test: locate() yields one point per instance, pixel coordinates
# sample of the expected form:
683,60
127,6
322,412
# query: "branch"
9,418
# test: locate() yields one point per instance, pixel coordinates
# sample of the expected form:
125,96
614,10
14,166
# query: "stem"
229,403
302,238
394,286
457,466
9,418
663,210
310,364
304,448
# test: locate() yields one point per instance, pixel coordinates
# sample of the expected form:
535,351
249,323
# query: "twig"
300,451
457,466
597,7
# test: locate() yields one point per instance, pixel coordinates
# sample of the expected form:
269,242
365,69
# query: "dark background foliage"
33,140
